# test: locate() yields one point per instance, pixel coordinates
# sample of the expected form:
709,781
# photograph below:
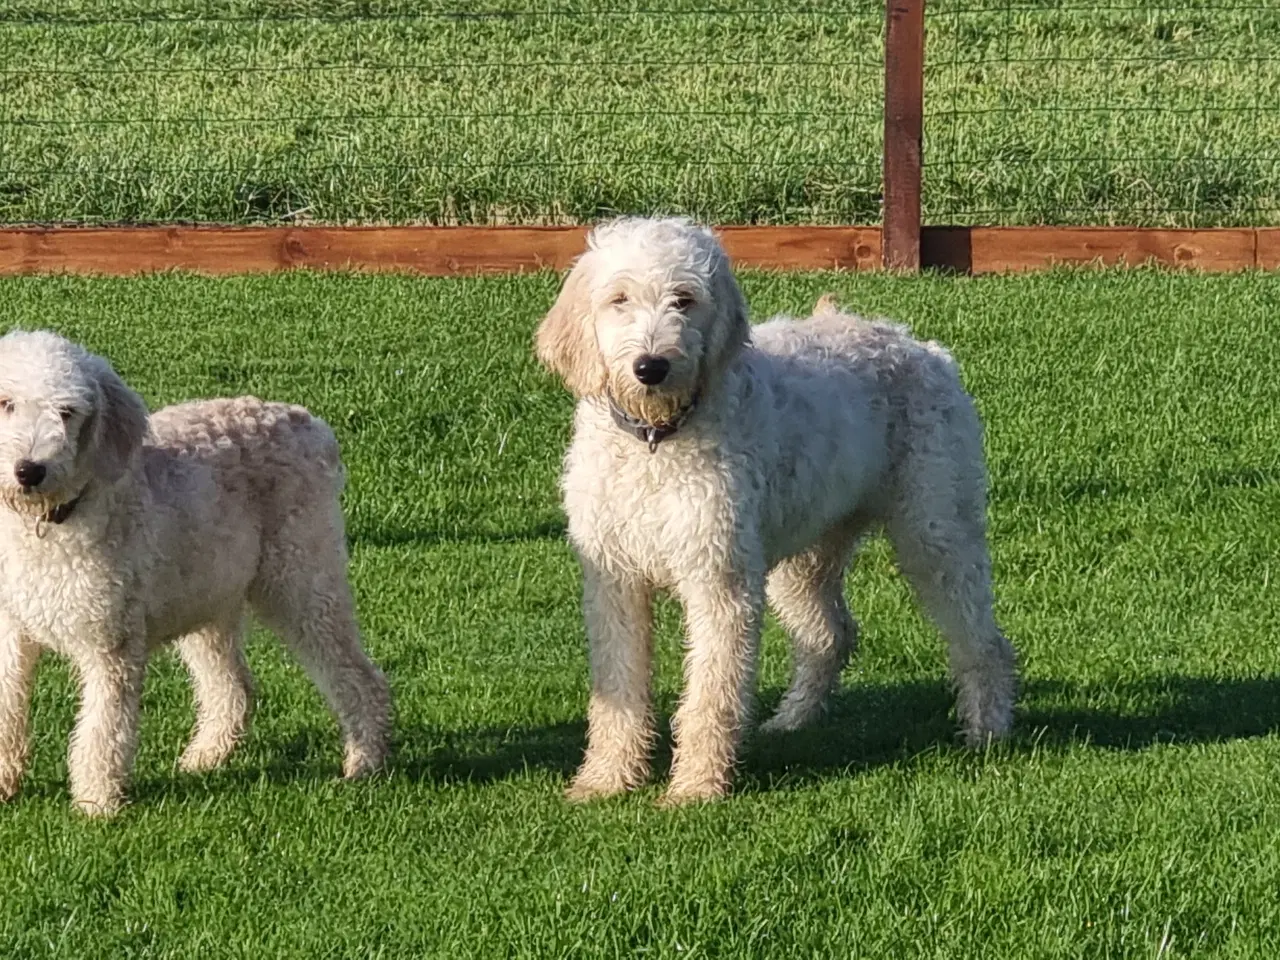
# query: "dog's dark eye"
683,302
619,299
66,413
6,405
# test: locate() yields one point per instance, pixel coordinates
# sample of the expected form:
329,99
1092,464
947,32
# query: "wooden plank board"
455,251
903,132
803,248
219,250
436,251
981,250
1267,248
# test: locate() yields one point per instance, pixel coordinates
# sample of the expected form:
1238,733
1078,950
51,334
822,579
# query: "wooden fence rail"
452,251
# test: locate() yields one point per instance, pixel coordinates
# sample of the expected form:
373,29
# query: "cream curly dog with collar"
120,532
731,464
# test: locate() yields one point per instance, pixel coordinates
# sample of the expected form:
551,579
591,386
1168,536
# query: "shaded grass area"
523,112
1134,451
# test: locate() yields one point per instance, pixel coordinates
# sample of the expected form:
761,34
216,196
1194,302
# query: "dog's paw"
363,762
827,303
585,789
578,792
792,717
988,725
684,795
592,782
982,738
10,783
602,776
779,724
99,807
202,757
703,785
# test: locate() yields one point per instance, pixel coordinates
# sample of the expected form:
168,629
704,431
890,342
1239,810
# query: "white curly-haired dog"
731,464
120,532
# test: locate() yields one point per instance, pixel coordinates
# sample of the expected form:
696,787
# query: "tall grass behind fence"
497,111
1141,112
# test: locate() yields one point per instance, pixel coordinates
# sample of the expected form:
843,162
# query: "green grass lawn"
1134,443
523,111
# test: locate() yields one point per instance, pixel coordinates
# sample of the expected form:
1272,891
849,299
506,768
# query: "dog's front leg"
618,612
106,733
722,622
18,660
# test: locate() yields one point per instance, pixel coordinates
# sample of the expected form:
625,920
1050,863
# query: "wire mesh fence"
502,111
1139,112
1143,112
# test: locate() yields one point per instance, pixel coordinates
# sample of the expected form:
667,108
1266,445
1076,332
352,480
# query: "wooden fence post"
903,132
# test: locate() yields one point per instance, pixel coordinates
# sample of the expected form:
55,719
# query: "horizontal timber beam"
461,251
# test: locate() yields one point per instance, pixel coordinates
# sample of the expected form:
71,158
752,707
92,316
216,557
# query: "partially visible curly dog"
119,533
730,465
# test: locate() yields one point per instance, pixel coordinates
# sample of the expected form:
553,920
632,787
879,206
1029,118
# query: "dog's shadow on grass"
313,756
868,726
1133,715
551,529
874,725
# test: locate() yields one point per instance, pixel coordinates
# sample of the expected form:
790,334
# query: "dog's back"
274,450
833,337
245,470
919,377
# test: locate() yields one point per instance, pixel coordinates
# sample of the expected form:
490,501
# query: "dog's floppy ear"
566,338
120,422
732,331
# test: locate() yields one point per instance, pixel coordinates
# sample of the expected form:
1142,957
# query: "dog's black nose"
650,370
29,473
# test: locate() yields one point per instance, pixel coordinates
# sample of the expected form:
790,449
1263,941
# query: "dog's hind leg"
302,593
214,656
938,529
954,587
807,594
18,660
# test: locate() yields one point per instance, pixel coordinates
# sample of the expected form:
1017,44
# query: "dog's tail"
311,438
827,303
324,445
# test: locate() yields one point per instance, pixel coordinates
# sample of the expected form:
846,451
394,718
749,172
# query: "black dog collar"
651,433
60,513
